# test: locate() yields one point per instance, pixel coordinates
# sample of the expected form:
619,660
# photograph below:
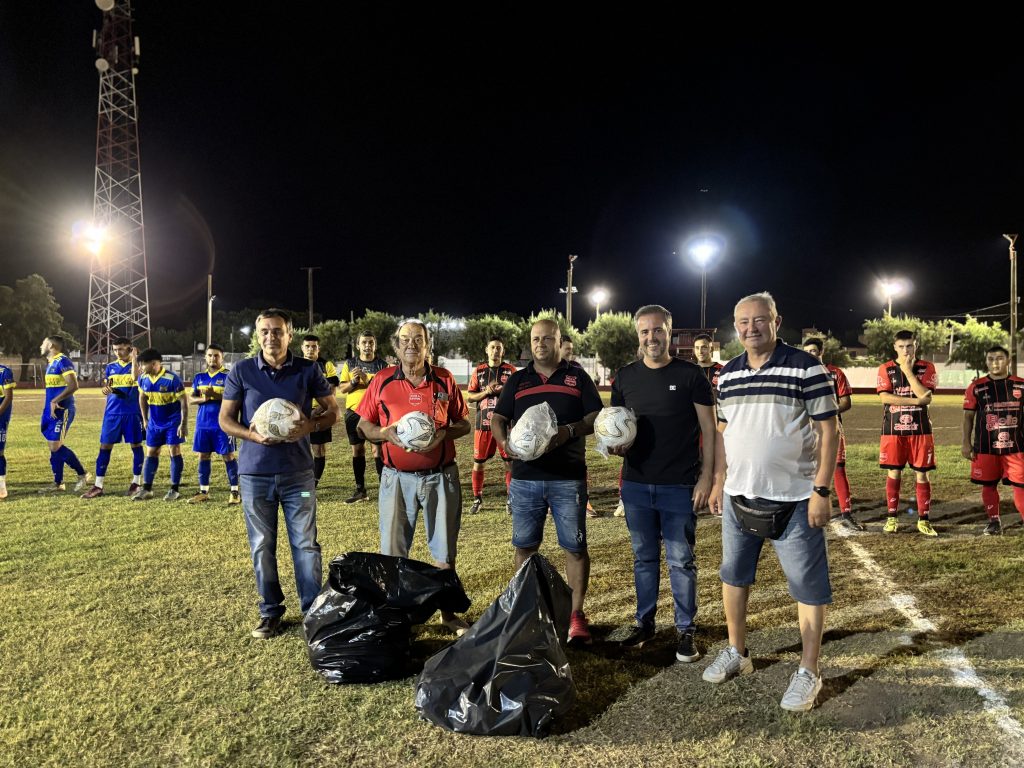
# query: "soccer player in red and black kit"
994,441
841,384
484,385
905,386
702,348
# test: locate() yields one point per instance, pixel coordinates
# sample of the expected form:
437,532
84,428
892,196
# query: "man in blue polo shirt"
557,479
775,452
278,472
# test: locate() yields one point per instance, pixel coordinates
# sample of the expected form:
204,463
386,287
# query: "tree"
834,353
732,348
445,331
567,331
974,339
613,337
381,325
480,330
334,339
28,314
879,334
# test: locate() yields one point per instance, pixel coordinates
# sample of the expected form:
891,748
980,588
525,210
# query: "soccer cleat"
847,521
924,527
359,495
172,495
579,629
93,493
83,481
52,488
637,637
687,651
199,498
132,489
727,665
477,503
994,527
804,687
142,495
591,512
620,509
268,627
234,498
891,524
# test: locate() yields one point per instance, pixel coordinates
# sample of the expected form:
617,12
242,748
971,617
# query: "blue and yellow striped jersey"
124,400
6,385
208,416
58,369
162,392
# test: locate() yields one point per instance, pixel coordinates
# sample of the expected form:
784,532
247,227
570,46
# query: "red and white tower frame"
118,290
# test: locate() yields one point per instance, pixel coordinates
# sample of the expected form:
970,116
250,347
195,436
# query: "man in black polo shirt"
556,480
664,475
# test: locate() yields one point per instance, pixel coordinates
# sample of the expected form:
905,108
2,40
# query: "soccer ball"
615,427
415,430
532,433
276,417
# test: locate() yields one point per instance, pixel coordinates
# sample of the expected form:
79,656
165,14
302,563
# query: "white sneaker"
83,483
803,690
172,495
728,665
620,510
51,488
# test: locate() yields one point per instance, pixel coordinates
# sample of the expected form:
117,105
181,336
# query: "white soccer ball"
532,433
276,418
615,427
415,430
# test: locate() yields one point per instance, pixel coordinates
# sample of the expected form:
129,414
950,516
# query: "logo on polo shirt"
671,387
415,398
570,381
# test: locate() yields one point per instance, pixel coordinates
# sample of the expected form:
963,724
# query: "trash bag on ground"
508,675
359,628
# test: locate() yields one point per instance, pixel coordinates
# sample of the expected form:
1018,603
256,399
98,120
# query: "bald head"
545,340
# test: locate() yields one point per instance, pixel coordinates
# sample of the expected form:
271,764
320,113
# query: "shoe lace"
725,658
801,684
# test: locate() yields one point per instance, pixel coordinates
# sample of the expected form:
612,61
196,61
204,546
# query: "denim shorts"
801,550
531,500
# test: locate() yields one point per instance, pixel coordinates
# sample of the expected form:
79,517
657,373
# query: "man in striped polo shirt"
778,437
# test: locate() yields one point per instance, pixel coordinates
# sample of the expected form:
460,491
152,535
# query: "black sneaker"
686,650
477,503
846,521
268,627
359,495
994,527
637,637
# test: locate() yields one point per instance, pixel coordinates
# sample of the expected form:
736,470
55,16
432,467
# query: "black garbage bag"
359,628
508,675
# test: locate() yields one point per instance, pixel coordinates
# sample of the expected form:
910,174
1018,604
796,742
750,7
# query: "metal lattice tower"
118,290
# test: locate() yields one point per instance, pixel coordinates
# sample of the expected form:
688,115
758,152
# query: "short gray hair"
764,297
653,309
411,321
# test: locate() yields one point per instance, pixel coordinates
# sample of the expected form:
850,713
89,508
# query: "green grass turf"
126,639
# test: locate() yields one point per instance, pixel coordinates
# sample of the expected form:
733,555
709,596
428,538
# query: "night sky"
436,158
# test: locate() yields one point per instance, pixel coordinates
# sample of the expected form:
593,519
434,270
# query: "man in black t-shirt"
557,478
665,477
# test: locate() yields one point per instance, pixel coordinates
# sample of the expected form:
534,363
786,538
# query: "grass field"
127,637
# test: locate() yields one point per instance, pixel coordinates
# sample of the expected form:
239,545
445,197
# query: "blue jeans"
294,492
657,513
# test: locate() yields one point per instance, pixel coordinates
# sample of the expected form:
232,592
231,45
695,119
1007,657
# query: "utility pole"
1013,303
309,272
569,290
209,310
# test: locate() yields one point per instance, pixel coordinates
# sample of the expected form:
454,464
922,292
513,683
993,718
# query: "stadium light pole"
1013,302
703,252
892,289
569,290
599,296
309,286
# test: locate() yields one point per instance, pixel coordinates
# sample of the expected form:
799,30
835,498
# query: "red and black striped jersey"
711,374
905,420
482,377
997,426
840,383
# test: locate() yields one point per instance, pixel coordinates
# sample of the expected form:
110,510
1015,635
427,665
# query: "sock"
378,462
478,481
98,482
990,498
102,462
892,496
137,458
72,461
232,470
149,468
204,474
1018,500
924,499
359,470
177,466
842,490
319,464
508,479
57,465
137,478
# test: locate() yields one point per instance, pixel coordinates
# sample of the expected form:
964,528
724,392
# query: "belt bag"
763,517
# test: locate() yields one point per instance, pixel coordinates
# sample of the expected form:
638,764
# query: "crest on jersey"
1016,393
415,398
570,381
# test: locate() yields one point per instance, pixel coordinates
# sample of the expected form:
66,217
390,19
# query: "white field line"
964,674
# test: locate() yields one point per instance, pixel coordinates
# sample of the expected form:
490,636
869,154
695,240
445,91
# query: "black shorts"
320,438
351,422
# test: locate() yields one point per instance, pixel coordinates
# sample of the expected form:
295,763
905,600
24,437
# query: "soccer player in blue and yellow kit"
59,412
6,401
165,414
122,419
207,392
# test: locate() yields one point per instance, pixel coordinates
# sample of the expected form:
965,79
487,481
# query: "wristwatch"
822,490
571,430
